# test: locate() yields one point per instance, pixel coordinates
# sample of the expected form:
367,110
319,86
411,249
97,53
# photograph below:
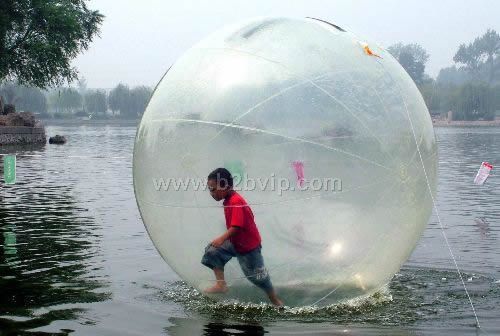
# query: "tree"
32,100
119,98
481,57
82,85
453,76
468,58
27,98
38,39
474,101
130,103
412,58
431,96
9,92
497,96
139,99
65,100
95,101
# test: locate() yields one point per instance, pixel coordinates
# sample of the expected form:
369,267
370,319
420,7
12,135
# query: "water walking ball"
328,140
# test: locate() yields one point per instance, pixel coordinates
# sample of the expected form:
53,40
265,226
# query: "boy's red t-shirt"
239,214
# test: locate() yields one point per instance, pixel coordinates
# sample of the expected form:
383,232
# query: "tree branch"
21,40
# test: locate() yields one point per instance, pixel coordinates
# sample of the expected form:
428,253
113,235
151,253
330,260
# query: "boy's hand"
217,242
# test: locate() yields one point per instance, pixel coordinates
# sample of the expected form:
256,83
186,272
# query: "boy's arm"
217,242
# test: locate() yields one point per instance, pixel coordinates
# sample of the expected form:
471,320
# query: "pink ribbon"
298,166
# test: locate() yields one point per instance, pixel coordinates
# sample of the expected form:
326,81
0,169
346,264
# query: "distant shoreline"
95,122
135,122
465,123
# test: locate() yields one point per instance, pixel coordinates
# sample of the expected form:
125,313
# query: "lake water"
75,257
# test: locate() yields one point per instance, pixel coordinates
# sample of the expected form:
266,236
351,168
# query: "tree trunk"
492,69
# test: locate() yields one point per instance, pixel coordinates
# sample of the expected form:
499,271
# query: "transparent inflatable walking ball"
331,143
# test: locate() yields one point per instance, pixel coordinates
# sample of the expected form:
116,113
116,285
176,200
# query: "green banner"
9,169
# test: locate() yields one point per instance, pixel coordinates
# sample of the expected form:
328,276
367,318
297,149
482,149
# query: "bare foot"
275,300
217,289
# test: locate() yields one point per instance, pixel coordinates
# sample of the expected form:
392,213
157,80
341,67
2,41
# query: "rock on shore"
18,119
21,129
57,139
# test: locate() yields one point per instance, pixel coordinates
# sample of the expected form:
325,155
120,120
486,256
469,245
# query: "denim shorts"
251,263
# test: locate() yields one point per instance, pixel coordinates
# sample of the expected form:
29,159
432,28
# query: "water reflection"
482,226
9,244
45,254
416,299
197,326
12,327
215,328
185,326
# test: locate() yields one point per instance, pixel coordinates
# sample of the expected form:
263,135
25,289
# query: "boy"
241,240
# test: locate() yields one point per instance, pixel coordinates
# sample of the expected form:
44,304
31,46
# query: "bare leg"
220,285
275,299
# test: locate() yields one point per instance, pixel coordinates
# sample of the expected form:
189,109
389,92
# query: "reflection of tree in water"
47,243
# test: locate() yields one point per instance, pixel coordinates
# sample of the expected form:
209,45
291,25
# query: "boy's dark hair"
222,176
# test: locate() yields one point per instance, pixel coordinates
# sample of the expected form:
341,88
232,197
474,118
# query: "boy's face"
217,192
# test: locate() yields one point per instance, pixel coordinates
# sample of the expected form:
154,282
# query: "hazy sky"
141,39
